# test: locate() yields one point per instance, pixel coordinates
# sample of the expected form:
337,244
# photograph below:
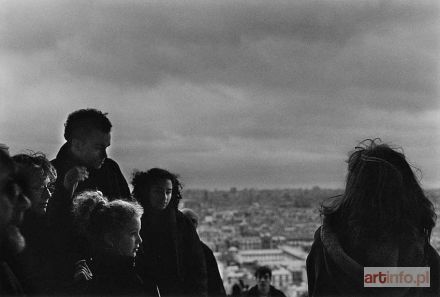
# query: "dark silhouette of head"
80,123
382,197
13,204
144,181
87,132
192,216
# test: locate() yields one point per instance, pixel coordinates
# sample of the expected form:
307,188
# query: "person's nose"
47,192
138,239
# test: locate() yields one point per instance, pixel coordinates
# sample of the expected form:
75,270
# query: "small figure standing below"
263,288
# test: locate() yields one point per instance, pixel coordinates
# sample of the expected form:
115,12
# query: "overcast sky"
260,94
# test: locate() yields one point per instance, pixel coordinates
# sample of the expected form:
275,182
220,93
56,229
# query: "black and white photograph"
243,148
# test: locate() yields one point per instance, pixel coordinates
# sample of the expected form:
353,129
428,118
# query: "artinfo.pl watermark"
396,277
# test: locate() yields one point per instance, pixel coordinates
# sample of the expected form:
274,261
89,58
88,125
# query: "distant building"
249,243
278,240
266,241
281,278
271,257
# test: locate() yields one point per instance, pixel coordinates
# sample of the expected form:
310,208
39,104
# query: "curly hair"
36,161
31,165
143,180
95,216
382,197
79,123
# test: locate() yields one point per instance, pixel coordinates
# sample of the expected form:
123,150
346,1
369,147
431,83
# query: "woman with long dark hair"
172,254
383,219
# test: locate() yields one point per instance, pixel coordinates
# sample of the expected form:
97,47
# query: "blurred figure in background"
263,288
172,254
238,288
13,204
215,282
383,219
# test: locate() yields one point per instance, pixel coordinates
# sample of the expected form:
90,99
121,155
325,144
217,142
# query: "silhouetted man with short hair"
82,164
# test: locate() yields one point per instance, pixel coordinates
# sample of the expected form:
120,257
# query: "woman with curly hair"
383,219
112,229
172,256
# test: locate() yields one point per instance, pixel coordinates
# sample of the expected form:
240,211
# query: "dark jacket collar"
348,273
112,264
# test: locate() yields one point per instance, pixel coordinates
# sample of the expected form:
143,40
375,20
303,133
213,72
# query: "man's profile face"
40,193
92,149
263,283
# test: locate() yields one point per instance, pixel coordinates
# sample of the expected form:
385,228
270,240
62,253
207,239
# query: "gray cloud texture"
228,93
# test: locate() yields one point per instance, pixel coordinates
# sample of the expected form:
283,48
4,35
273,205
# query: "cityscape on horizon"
249,228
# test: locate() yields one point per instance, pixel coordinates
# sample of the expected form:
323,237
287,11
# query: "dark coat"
108,179
9,284
215,282
68,245
335,270
273,292
115,275
34,266
172,255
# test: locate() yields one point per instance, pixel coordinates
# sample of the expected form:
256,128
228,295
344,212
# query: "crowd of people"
71,226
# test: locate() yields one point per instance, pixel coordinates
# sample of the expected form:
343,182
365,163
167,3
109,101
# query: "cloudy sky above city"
261,94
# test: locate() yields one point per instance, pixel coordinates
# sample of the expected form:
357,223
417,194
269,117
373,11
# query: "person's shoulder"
317,235
275,292
110,162
183,220
253,291
111,165
186,227
316,245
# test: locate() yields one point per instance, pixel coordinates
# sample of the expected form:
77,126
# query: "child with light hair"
112,229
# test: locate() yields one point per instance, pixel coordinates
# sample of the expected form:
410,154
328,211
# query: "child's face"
160,194
130,239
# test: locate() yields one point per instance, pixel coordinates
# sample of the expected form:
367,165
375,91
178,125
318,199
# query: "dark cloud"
245,92
295,45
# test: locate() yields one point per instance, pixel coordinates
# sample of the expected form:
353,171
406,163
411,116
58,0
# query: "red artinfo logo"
396,276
